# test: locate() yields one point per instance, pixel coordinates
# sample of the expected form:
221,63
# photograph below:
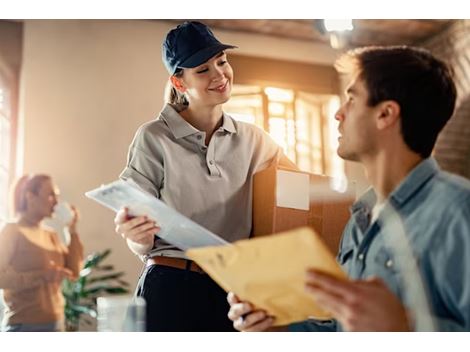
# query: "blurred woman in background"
33,261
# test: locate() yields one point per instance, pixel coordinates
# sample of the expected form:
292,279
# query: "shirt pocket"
385,261
386,268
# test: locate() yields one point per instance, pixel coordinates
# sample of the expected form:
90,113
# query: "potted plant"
94,280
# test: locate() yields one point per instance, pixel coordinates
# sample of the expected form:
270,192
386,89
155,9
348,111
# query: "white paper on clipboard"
176,228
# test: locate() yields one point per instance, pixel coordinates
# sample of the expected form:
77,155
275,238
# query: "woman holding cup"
33,261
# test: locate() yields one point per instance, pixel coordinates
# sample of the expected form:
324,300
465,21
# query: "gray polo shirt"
211,185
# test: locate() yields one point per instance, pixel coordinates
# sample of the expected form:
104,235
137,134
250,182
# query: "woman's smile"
220,88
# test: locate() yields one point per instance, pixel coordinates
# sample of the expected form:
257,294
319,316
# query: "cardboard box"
284,199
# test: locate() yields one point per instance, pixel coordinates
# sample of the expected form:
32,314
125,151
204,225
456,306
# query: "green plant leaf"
94,259
85,272
81,295
116,290
122,282
105,277
105,288
83,309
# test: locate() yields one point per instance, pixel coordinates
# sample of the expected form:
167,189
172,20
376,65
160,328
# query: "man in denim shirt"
408,238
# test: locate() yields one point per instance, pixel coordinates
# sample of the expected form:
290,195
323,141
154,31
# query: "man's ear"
389,114
178,84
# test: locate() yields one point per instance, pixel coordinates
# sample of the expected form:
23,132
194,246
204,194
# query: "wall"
453,145
305,77
86,87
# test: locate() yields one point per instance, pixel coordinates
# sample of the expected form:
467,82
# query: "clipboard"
176,228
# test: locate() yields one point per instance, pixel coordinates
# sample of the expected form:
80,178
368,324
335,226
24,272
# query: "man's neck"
386,170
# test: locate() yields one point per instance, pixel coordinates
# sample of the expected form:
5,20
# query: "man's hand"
361,305
245,318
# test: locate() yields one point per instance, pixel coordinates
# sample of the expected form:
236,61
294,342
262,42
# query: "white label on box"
292,190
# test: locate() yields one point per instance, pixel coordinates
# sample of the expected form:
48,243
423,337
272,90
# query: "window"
301,123
6,143
11,43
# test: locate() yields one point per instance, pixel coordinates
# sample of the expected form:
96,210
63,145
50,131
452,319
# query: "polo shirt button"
211,162
389,263
199,137
361,256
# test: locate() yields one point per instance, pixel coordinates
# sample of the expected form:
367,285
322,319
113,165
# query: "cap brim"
204,55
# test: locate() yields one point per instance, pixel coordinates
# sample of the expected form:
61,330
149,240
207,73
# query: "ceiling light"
338,31
338,25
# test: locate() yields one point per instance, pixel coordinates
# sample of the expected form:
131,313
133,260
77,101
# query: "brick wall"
452,149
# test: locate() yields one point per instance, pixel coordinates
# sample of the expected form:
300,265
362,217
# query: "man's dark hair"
419,82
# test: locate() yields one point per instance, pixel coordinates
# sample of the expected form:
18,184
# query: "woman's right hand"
245,318
138,229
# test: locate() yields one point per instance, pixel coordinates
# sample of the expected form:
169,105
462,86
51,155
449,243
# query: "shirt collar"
415,179
366,201
228,124
177,125
181,128
412,183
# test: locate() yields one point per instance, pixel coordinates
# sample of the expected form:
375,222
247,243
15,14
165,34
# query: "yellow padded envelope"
270,271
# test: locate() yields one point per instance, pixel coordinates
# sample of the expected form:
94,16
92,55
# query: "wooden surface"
366,32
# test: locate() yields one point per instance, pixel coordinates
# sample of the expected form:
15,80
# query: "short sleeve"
269,152
145,162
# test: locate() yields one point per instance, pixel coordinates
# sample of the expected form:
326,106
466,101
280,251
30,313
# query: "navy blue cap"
189,45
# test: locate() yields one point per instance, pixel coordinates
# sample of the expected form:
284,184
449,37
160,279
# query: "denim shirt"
434,209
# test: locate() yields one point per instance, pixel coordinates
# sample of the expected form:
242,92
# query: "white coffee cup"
63,213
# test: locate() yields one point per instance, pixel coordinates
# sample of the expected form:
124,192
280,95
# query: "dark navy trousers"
183,300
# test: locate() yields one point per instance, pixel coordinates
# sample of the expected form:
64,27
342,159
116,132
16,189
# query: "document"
176,228
270,272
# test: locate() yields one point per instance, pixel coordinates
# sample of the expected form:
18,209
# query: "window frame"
9,80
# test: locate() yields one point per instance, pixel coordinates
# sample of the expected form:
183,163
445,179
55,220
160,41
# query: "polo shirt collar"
177,125
228,124
181,128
